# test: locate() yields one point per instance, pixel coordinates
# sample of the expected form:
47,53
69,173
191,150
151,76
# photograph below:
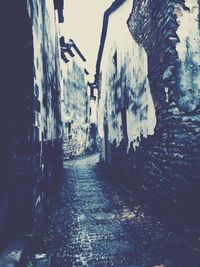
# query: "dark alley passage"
95,222
116,77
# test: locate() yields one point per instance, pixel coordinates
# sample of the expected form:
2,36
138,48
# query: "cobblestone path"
93,224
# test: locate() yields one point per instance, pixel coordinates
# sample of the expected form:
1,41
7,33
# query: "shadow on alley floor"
95,222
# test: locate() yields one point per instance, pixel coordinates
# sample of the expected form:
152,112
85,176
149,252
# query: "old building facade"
162,152
75,101
30,113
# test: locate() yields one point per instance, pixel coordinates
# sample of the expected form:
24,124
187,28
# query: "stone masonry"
170,157
166,163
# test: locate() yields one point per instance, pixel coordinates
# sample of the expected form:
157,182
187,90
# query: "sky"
83,24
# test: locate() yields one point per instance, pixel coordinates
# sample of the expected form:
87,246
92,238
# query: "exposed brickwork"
165,164
170,157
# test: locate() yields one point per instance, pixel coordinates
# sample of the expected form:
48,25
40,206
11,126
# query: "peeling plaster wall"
160,61
167,164
47,126
47,73
188,49
172,44
125,105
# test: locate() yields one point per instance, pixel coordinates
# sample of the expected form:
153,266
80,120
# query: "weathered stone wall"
166,164
170,35
76,117
47,126
29,112
169,32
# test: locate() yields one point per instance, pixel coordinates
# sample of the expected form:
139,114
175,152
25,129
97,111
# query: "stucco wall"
125,106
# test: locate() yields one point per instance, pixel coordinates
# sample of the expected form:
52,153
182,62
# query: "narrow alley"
98,222
100,133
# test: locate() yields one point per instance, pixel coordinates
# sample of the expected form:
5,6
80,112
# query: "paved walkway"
95,222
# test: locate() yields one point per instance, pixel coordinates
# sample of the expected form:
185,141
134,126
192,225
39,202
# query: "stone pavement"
97,223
